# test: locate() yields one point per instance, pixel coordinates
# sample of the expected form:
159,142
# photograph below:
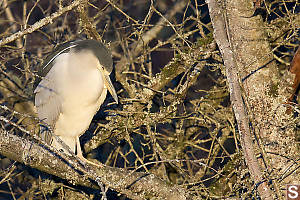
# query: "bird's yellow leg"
80,156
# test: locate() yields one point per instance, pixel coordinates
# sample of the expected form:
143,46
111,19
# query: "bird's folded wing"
47,99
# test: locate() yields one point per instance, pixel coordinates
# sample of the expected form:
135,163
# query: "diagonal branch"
135,185
39,24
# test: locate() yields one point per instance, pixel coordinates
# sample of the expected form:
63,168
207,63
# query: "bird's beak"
110,87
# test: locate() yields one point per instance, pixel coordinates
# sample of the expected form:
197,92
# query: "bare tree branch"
40,23
174,120
134,185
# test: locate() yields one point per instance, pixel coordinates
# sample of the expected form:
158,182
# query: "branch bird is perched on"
74,85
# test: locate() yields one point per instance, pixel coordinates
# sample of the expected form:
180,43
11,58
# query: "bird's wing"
47,99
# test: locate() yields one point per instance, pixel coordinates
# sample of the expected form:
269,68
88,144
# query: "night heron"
74,85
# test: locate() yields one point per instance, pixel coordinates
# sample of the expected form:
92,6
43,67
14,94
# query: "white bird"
74,85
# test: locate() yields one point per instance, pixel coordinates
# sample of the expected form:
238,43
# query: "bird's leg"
80,156
78,148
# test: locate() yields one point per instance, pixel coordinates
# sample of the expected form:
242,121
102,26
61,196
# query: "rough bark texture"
265,90
134,185
223,39
252,56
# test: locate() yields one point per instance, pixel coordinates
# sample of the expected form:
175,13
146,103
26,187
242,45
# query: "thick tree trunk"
260,97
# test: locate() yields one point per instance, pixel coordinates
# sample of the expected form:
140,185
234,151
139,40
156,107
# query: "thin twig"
39,24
